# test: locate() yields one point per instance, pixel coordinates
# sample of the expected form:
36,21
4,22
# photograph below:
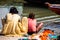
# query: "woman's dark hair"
31,15
13,10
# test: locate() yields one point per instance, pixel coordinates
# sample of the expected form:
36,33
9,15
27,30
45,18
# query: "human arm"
39,26
3,20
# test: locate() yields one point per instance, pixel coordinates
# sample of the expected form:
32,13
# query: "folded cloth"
53,36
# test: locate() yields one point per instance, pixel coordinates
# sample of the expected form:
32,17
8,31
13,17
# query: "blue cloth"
52,36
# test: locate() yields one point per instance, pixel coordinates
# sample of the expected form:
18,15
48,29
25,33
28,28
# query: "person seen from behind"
13,25
32,24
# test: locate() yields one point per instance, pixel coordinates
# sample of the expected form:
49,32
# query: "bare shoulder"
35,20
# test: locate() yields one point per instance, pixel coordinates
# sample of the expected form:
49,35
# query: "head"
13,10
31,15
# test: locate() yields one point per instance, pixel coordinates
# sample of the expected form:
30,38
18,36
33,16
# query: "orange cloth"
45,34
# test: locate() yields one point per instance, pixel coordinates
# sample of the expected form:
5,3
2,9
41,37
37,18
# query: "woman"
32,24
13,25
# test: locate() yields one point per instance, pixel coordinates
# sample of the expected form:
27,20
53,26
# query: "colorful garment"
13,26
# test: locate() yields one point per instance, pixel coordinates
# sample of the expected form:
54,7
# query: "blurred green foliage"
11,2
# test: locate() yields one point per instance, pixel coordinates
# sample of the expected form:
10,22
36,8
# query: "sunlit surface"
44,15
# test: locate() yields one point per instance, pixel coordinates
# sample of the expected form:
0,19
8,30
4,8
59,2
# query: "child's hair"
31,15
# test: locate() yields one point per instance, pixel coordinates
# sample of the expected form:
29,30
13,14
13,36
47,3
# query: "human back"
14,26
11,23
32,24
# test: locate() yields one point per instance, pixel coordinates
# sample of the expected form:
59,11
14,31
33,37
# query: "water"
46,16
42,15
